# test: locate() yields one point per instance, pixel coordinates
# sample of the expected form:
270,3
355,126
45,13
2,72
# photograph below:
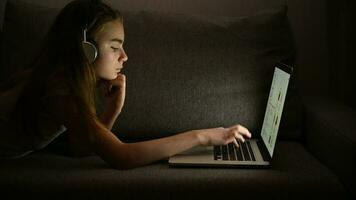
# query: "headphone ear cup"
90,51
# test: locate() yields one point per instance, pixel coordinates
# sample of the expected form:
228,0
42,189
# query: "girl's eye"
115,49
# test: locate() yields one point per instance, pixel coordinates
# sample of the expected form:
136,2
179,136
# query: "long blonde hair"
61,58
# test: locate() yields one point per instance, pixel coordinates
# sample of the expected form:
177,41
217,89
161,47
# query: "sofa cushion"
50,176
331,132
192,72
184,71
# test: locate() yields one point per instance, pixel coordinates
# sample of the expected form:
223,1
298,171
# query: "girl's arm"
122,155
108,118
130,155
113,93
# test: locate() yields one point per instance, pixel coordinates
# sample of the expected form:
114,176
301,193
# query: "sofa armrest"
330,135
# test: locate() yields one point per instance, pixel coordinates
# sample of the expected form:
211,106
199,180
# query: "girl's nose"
123,56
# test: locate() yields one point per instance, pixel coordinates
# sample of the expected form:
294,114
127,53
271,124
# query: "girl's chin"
114,77
109,78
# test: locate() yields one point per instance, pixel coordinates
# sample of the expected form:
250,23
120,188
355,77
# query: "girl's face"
111,57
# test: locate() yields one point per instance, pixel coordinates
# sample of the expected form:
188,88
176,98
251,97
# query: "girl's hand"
114,92
223,136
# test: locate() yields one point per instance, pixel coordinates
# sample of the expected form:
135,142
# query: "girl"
59,94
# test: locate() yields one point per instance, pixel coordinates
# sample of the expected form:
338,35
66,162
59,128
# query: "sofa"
192,65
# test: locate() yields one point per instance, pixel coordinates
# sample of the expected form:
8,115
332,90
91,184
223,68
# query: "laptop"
253,153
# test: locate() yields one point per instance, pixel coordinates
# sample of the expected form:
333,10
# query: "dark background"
326,53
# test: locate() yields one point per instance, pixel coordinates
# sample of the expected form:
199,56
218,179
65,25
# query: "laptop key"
245,151
238,152
251,152
224,152
231,151
217,152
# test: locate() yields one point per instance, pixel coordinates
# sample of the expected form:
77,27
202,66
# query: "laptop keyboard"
231,152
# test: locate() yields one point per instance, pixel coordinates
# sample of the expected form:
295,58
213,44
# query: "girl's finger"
236,143
239,137
241,129
120,80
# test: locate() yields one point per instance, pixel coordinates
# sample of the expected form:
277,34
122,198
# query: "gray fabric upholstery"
295,175
210,71
331,133
184,72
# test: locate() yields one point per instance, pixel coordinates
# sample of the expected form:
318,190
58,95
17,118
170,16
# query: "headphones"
89,47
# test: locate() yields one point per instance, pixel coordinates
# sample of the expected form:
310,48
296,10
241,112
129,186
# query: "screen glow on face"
274,108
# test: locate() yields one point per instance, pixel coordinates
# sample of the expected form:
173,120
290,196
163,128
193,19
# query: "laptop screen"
274,108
